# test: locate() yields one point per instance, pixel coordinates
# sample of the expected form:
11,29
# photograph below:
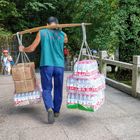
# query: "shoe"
56,114
50,116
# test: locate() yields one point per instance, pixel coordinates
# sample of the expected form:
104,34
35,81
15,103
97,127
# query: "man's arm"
65,39
33,46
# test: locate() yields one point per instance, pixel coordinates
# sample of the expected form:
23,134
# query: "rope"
84,42
27,58
19,37
23,56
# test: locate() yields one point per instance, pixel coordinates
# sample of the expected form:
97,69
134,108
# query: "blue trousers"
47,74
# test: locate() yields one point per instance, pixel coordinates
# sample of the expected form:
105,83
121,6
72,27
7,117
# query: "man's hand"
21,48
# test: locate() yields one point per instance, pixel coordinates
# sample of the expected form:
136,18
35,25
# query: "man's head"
52,21
5,53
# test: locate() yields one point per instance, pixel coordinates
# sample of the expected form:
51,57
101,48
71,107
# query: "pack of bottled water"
89,84
85,101
22,99
86,68
85,87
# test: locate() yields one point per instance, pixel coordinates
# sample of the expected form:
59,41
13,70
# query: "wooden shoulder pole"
36,29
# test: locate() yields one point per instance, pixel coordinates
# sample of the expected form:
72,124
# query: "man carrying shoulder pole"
51,65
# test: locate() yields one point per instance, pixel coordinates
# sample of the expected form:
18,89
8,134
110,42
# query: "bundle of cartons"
24,77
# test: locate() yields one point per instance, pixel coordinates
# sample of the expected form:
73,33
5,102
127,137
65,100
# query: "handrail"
118,63
115,62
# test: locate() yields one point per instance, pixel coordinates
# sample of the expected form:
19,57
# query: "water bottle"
76,98
88,87
74,84
34,95
97,82
85,85
84,100
84,69
94,100
30,96
69,98
79,69
26,96
81,99
15,98
71,82
80,84
88,98
37,95
91,68
23,97
19,98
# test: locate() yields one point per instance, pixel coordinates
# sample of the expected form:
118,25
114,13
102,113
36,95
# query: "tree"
128,16
115,23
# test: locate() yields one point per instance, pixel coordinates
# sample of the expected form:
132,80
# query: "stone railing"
133,90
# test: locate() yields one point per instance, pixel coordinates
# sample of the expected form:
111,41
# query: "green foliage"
7,10
102,34
129,29
5,33
115,23
17,15
5,37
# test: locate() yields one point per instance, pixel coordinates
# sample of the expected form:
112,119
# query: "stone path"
118,119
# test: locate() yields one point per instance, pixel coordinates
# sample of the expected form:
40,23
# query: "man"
51,65
7,62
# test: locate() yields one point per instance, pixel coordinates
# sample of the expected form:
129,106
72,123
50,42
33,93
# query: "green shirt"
52,46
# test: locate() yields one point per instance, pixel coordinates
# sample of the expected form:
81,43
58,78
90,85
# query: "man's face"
5,54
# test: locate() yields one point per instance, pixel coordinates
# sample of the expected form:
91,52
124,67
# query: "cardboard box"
25,85
23,71
32,64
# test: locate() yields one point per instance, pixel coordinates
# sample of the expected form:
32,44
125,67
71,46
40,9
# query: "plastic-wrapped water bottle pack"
22,99
86,68
85,101
26,98
88,84
85,87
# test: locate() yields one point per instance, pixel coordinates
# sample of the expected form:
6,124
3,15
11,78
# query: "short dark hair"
52,19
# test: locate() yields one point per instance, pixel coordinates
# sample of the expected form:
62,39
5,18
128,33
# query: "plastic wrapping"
26,98
85,87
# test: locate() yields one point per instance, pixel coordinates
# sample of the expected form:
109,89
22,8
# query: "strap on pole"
84,42
24,57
